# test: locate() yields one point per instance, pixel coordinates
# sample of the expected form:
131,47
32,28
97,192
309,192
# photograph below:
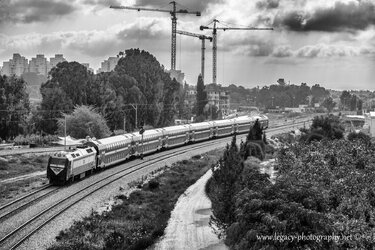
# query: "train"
97,154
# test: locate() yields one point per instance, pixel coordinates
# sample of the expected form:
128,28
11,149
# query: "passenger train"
65,166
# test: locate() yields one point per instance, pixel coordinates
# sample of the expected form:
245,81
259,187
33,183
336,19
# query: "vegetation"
350,101
329,104
201,97
84,121
35,139
14,106
142,217
328,127
138,84
323,188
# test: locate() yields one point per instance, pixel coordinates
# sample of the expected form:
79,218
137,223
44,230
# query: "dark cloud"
101,3
268,4
29,11
191,5
341,17
148,31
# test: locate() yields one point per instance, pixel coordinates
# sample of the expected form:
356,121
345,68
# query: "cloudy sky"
329,42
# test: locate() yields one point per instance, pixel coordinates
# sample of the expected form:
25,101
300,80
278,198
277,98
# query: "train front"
57,168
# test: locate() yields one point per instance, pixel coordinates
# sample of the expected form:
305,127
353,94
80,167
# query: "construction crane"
214,42
173,13
201,37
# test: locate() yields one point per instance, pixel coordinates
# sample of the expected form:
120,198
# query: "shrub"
253,149
359,136
314,137
114,240
153,184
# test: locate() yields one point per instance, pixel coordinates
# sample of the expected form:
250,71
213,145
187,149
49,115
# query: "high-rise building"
15,66
53,61
39,65
108,65
19,65
87,65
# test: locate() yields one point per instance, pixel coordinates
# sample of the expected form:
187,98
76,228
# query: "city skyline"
331,43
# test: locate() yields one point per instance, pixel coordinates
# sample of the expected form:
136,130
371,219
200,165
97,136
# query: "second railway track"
19,234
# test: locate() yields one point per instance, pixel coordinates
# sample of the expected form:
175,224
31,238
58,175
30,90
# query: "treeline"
138,89
14,107
322,188
281,95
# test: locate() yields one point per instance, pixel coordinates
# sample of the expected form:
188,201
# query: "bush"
34,139
314,137
153,184
253,149
353,136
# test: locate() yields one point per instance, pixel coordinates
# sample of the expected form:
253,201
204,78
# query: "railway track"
21,233
27,200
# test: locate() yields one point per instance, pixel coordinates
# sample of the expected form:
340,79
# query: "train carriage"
263,120
175,135
201,131
97,154
223,127
152,141
113,149
243,123
64,166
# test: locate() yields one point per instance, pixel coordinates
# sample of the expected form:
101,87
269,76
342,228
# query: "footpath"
188,226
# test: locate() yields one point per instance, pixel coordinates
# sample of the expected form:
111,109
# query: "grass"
140,220
13,189
13,166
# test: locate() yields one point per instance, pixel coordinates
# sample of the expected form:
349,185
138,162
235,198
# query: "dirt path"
24,177
188,226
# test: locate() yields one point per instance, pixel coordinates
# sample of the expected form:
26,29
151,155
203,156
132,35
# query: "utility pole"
135,107
173,13
65,132
124,123
214,42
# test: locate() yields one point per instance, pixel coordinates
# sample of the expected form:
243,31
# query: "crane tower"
201,37
214,42
173,13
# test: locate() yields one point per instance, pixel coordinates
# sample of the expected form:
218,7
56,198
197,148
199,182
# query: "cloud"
146,29
93,43
29,11
268,4
102,3
191,5
324,50
282,51
350,16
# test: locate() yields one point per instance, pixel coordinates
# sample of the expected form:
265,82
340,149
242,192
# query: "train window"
73,155
77,154
89,150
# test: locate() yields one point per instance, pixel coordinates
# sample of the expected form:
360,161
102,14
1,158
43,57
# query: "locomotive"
65,166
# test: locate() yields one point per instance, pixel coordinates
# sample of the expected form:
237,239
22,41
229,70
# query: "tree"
223,185
69,85
158,89
345,98
328,126
329,104
201,96
14,106
84,121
